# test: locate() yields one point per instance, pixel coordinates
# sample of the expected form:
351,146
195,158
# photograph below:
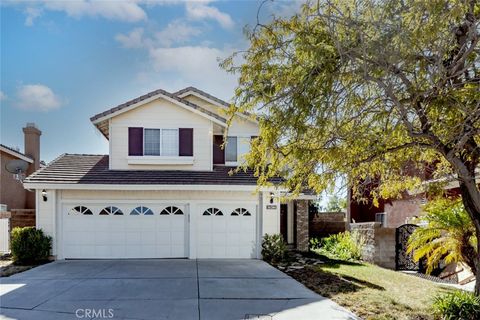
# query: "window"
161,142
231,149
80,210
141,211
171,210
111,210
236,148
213,212
240,212
152,142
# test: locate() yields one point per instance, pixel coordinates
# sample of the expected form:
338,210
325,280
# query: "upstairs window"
161,142
236,148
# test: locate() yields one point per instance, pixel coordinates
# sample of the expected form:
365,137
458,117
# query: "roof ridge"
203,93
151,94
16,151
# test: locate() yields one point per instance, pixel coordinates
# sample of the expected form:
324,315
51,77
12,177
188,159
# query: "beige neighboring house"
13,197
166,188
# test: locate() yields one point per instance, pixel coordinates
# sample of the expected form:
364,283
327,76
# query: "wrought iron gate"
404,260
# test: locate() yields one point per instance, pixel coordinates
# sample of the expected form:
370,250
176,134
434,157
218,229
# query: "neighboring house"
166,188
392,213
12,193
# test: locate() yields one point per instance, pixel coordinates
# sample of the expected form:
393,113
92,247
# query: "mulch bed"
8,268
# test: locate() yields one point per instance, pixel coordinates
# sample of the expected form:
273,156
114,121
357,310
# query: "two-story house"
166,189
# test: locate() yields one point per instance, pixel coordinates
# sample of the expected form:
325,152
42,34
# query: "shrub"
458,305
315,243
342,246
274,248
30,245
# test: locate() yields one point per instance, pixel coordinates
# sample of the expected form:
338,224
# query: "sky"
65,61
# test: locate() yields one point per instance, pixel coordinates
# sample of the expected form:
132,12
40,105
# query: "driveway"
161,289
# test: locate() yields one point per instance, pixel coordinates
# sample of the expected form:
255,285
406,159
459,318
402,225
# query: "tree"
449,235
336,204
366,89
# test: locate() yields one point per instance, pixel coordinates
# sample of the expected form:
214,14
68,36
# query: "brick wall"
302,225
379,243
400,211
323,224
22,218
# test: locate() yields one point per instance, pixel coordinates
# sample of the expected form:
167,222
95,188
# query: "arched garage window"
80,210
213,212
240,212
111,210
171,210
141,210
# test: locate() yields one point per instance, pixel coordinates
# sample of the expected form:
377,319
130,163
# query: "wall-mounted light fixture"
44,195
271,197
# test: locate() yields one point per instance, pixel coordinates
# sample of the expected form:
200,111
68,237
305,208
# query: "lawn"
372,292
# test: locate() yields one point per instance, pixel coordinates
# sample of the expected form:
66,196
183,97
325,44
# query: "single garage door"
226,231
112,230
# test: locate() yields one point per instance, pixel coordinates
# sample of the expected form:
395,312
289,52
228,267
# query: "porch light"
271,197
44,195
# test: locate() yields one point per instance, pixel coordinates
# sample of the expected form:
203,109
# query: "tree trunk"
472,203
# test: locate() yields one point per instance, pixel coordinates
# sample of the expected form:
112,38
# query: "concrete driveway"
161,289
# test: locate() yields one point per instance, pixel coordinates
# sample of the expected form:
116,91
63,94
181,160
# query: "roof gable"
101,120
221,104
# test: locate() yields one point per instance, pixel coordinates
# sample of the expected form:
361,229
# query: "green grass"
373,292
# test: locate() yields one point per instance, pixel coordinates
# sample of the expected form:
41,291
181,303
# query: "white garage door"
124,231
226,231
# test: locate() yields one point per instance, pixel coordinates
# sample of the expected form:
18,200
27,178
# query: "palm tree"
448,235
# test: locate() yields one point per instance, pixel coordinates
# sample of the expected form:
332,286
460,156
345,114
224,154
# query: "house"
166,188
13,197
392,213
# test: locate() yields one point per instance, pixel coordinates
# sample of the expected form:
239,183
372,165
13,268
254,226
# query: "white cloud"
176,31
3,96
195,65
201,11
32,13
37,97
126,10
134,39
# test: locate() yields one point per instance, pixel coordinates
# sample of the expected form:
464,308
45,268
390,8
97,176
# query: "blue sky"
65,61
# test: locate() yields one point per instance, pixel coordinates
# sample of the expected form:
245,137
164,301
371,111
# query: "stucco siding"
12,192
161,114
46,215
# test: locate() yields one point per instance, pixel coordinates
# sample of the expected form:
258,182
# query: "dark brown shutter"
185,142
218,152
135,141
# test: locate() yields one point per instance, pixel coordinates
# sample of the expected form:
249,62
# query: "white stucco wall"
161,114
46,214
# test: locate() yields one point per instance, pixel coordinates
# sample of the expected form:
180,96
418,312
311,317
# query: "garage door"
226,231
124,231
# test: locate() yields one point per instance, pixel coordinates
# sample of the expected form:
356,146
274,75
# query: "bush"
342,246
459,305
274,248
29,245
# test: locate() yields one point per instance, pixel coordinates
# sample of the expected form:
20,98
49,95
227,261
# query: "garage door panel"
123,236
227,235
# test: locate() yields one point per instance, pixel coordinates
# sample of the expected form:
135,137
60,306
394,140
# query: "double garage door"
151,230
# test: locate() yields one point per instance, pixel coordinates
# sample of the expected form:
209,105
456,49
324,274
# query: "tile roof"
154,93
203,93
93,169
16,152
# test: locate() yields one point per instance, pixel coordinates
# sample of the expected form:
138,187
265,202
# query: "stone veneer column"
302,225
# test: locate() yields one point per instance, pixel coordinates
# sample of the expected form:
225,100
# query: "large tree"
366,89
